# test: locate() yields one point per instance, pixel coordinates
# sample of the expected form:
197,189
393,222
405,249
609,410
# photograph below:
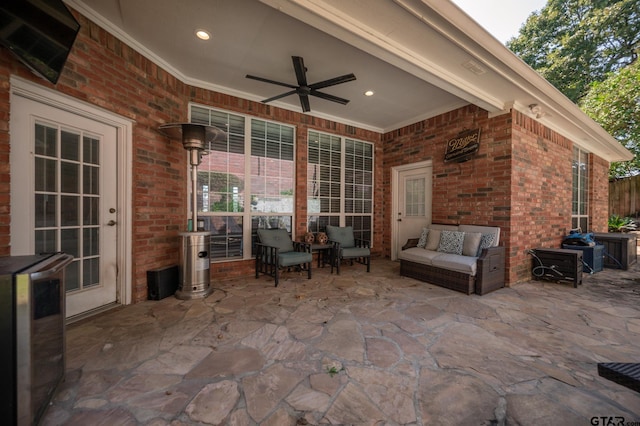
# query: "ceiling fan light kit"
303,89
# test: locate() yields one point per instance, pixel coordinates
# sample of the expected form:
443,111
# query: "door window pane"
67,200
46,142
70,210
70,241
90,242
90,180
90,272
69,179
46,174
46,241
90,150
70,146
90,214
46,206
415,197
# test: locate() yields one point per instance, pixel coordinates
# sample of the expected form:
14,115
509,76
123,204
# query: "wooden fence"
624,197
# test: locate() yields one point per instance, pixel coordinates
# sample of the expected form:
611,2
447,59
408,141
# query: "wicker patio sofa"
465,258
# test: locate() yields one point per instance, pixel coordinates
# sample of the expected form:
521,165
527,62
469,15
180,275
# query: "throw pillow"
433,240
471,243
451,242
486,241
423,238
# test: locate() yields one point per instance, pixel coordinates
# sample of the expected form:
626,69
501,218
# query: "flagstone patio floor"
357,349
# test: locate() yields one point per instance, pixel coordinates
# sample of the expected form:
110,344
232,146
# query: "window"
239,193
580,204
340,184
415,197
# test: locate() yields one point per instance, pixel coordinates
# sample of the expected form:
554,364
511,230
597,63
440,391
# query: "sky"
502,18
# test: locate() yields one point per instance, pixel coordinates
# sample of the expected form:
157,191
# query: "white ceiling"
249,37
420,57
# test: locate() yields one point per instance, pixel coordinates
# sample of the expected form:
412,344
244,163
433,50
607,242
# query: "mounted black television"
40,33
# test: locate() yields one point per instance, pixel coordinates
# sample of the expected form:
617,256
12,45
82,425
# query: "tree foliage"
574,43
615,104
588,49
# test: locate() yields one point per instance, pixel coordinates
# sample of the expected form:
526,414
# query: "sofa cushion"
471,243
486,241
451,242
422,241
418,255
433,239
456,262
483,230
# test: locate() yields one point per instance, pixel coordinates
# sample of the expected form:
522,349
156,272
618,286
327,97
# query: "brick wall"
473,192
519,180
103,71
541,192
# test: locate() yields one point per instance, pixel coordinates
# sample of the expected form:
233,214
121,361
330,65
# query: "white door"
64,197
412,203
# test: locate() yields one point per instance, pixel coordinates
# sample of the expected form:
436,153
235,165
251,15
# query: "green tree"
588,49
574,43
615,104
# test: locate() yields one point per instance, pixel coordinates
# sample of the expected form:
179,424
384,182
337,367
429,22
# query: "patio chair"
275,251
346,246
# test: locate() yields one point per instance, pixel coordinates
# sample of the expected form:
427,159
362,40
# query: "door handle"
399,220
111,223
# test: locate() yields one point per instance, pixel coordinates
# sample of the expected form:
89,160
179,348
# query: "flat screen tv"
40,33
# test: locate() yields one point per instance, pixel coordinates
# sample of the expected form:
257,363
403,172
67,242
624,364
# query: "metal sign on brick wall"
463,146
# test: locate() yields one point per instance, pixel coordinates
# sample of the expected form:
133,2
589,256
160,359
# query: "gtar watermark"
613,421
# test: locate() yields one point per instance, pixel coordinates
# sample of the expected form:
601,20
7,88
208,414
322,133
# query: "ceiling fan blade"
266,80
329,97
279,96
332,81
304,103
301,71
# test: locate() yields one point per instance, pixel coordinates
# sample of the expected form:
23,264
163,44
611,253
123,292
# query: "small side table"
324,253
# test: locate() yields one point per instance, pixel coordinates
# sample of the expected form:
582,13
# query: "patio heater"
195,259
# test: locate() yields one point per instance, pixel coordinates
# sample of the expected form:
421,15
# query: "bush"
621,224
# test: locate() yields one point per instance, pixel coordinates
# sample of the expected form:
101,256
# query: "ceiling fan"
303,89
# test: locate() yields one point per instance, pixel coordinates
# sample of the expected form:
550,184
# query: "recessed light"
369,93
202,35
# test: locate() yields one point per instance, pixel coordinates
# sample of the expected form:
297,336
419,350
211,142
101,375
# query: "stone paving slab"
357,349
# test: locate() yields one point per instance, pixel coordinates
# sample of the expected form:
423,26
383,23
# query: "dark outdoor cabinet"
557,265
592,256
619,249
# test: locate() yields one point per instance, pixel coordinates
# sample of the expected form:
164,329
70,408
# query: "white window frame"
580,194
342,214
247,214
